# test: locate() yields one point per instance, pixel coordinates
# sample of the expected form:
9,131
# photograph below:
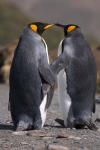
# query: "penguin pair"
30,75
30,72
77,78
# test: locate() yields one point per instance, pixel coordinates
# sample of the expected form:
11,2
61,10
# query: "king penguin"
76,79
29,71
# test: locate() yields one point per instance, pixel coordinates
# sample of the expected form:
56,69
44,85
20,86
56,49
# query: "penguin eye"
71,28
33,27
48,26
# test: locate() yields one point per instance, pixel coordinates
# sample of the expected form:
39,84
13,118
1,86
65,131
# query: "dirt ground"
52,133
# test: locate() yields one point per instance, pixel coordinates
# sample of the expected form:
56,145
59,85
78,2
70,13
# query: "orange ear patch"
33,27
71,28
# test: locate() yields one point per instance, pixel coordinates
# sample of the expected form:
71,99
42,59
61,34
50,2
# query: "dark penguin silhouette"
29,71
77,78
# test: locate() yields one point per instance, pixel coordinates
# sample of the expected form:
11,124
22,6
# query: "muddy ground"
52,133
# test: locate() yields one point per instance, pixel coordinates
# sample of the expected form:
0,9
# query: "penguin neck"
40,32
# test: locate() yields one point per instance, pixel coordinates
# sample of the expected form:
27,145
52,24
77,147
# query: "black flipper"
48,82
46,73
50,96
58,64
56,67
49,91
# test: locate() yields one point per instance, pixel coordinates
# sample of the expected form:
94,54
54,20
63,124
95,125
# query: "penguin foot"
91,125
80,124
25,122
23,126
37,125
60,121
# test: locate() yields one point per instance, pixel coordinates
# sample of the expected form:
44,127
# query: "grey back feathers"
77,60
29,71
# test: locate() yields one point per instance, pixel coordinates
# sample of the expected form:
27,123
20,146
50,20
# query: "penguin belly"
63,96
43,110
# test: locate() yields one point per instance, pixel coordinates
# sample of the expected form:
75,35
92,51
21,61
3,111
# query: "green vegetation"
12,21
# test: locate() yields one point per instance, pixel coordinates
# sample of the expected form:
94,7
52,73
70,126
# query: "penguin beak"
59,25
48,26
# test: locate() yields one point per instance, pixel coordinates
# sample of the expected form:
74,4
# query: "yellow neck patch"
71,28
48,26
33,27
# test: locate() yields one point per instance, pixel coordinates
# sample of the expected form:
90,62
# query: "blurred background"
15,14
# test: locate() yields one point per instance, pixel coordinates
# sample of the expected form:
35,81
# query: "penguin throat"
40,32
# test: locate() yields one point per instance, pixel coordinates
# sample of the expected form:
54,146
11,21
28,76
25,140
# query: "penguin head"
68,29
39,27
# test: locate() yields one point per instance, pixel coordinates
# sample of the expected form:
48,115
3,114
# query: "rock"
40,133
74,137
56,147
20,133
62,135
24,143
39,147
